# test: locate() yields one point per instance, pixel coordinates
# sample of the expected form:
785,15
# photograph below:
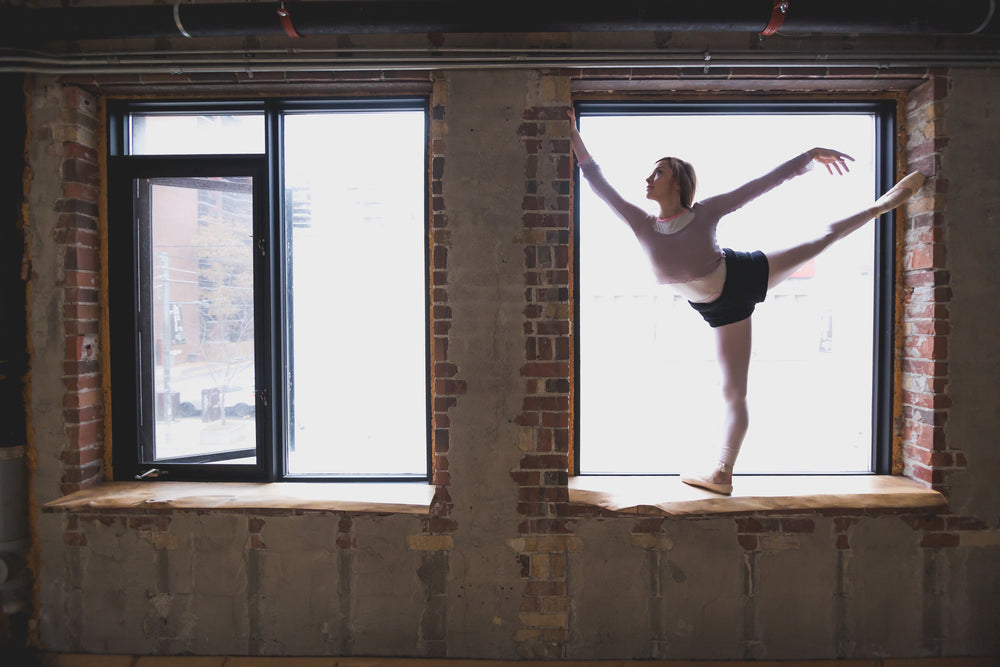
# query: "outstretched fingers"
832,160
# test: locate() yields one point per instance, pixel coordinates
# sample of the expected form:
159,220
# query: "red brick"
939,540
442,440
551,403
965,523
755,525
83,436
80,279
546,370
925,347
82,399
75,539
648,526
90,312
797,525
445,387
526,477
543,461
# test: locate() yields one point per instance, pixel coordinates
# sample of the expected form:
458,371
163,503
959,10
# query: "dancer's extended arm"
625,210
834,161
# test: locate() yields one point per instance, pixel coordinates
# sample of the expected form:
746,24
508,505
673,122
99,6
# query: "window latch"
152,473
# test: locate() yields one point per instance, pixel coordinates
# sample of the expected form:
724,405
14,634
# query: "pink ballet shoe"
708,481
900,192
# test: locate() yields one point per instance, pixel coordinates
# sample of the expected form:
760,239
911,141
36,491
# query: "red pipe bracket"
286,20
778,12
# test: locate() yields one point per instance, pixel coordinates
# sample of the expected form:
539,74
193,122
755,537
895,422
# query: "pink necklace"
673,216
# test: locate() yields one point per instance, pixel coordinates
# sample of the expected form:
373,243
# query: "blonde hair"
685,177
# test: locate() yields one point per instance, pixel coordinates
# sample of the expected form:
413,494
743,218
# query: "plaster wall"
972,161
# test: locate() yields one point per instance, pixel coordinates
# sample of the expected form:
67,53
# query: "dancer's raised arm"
625,210
833,160
579,149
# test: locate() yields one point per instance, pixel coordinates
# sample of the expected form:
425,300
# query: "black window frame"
130,364
883,338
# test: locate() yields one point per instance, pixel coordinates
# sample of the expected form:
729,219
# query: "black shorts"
744,288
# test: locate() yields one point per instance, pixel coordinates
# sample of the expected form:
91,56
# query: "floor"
79,660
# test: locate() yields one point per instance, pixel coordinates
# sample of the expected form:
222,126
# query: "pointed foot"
900,192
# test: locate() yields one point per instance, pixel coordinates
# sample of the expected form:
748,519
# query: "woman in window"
722,284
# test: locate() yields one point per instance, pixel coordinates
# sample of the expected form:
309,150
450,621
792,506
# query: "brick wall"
924,293
546,418
77,138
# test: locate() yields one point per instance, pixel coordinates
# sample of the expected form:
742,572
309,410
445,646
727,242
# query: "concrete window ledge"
668,496
381,498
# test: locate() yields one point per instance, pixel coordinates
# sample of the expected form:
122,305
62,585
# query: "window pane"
355,211
196,134
650,392
199,282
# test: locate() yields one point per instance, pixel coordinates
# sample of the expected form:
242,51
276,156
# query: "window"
648,386
269,289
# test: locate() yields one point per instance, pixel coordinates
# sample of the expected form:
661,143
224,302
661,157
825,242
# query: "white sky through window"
358,366
650,393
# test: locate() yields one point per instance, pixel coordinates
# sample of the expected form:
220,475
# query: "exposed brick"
789,525
939,540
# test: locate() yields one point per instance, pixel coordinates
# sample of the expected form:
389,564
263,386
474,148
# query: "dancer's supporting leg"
733,340
733,343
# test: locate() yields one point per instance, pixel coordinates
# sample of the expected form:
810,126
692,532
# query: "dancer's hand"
831,159
574,134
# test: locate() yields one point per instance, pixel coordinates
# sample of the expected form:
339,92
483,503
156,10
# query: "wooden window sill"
644,495
375,497
668,496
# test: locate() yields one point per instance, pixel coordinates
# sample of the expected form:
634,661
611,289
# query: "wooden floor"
79,660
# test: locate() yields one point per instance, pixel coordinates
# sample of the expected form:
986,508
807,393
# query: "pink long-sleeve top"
688,251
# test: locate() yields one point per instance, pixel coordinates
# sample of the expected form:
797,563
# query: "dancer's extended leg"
786,262
733,343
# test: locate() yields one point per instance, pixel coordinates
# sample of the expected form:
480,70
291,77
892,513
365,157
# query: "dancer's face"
661,185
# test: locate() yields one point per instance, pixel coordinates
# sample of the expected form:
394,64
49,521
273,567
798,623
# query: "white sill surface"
668,496
375,497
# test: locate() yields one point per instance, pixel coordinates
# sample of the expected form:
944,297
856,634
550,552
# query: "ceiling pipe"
22,26
194,62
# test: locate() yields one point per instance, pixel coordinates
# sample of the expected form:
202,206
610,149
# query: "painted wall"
505,567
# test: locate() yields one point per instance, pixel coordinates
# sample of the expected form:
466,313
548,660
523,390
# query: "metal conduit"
207,62
23,26
399,60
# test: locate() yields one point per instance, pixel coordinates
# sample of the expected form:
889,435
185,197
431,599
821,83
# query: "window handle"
152,473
